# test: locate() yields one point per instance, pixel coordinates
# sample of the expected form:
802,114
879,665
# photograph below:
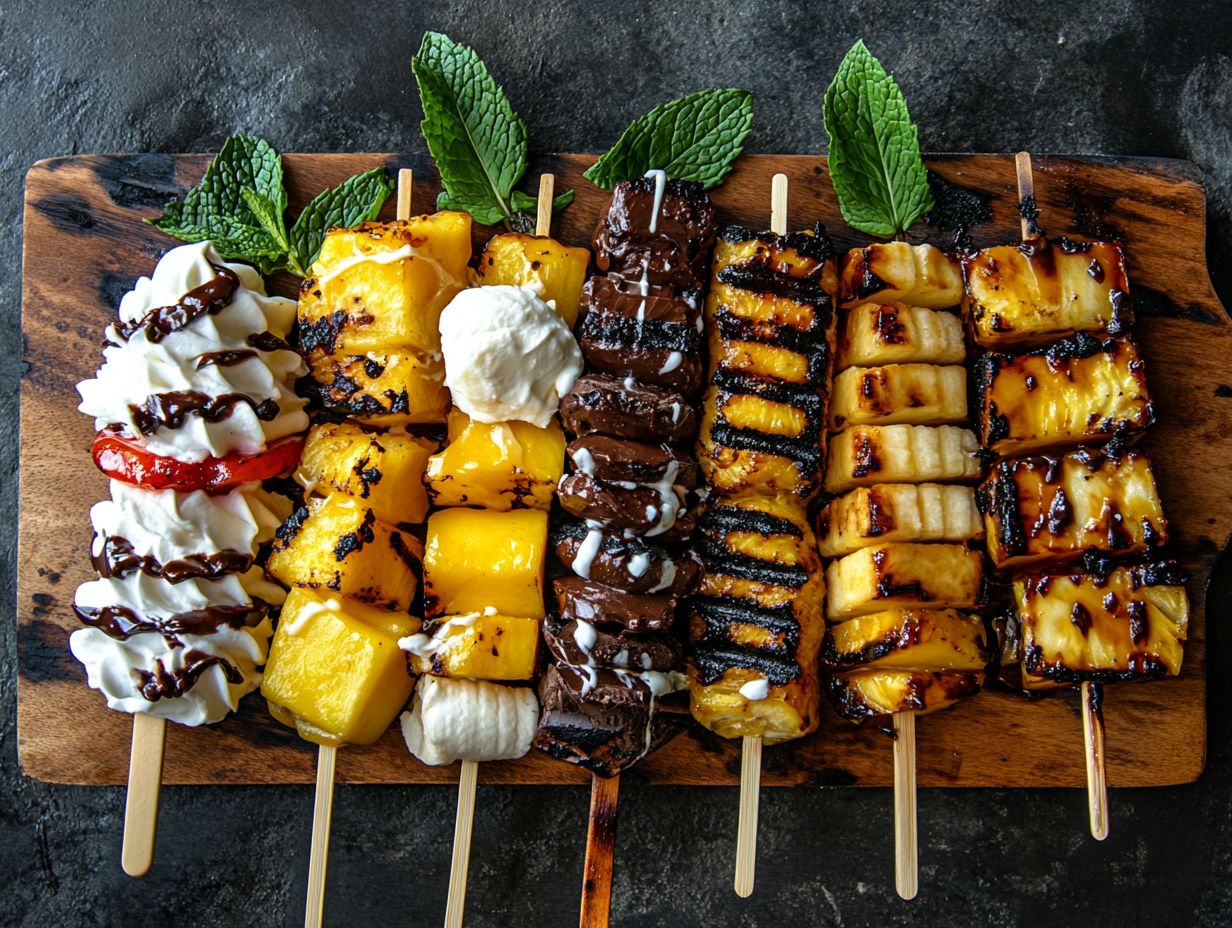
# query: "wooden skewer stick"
543,215
906,845
1091,693
600,845
750,747
145,780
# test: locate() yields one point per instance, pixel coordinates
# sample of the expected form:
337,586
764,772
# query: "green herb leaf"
875,162
694,138
357,199
269,217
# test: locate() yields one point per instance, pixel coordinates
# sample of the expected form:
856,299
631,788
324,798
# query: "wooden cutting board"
85,244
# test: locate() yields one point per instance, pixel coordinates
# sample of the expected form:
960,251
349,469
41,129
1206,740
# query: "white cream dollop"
475,720
137,368
508,355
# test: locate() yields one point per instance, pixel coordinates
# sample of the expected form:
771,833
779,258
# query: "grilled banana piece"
1075,391
915,394
934,576
894,333
1034,293
892,512
1128,625
864,455
1051,510
865,694
908,639
896,272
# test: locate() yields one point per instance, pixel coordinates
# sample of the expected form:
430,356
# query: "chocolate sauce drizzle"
211,298
118,559
121,622
169,410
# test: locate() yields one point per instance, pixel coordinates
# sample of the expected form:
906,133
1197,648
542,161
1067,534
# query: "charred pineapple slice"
478,645
892,512
556,272
894,333
758,702
1078,390
381,286
502,465
931,576
402,388
384,469
915,394
860,695
1054,509
479,559
338,545
908,639
335,673
864,455
1034,293
896,272
1128,625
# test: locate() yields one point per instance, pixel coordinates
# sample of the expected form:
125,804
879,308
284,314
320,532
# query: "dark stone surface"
1106,76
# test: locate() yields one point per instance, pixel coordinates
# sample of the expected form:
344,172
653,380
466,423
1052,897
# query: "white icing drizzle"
674,360
379,257
585,636
584,461
638,565
424,646
587,552
668,578
756,689
660,179
309,612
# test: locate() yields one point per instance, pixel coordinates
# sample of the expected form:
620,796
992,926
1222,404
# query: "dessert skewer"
756,623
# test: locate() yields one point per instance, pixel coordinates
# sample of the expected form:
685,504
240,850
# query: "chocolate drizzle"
162,683
121,622
118,559
169,410
211,298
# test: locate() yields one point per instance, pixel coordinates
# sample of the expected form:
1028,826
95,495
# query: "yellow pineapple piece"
338,545
865,694
385,389
908,639
381,286
335,672
556,271
479,645
502,465
786,711
478,559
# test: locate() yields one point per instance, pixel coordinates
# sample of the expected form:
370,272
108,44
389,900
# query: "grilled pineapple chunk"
338,545
502,465
1030,294
894,333
556,272
1078,390
908,575
864,455
478,645
733,705
335,672
1129,625
865,694
385,469
896,272
908,639
1053,510
891,512
915,394
478,559
403,388
381,286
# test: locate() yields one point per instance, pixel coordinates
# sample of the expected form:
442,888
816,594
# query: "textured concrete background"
1103,76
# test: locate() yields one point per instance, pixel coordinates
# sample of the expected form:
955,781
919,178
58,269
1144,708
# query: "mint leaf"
267,215
693,138
525,203
357,199
875,162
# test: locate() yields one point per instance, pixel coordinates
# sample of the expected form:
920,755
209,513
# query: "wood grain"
85,244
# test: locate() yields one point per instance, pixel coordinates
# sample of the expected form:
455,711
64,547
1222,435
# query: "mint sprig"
875,163
240,202
693,138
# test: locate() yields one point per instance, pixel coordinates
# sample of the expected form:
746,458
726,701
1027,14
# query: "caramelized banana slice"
894,333
915,394
896,272
907,575
866,694
864,455
898,512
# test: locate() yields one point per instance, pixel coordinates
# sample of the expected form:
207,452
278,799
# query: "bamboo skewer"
600,845
906,844
145,778
750,746
1091,693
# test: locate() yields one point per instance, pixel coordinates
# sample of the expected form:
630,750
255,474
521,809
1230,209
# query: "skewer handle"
145,779
322,816
455,903
543,215
746,829
906,844
1093,739
406,178
600,844
778,204
1026,190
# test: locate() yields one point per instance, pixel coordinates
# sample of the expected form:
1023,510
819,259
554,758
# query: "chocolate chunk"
633,461
606,405
676,253
627,507
629,564
575,642
585,600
